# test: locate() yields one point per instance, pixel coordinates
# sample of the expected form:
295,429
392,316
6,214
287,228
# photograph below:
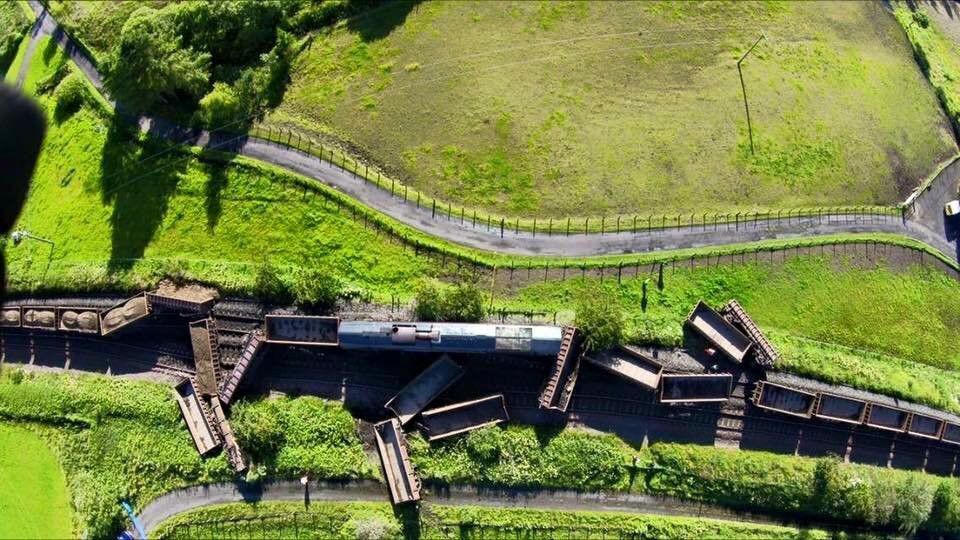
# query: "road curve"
924,222
186,499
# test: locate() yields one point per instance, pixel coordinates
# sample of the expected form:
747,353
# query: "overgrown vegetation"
124,440
821,489
377,521
13,26
222,61
936,55
290,437
547,123
601,320
461,303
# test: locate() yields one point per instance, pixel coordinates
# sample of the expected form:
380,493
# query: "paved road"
182,500
922,225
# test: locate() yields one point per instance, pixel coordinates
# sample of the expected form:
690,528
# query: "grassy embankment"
546,120
33,493
935,52
352,520
121,223
123,440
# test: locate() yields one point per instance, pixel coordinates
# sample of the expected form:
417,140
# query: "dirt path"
183,500
925,223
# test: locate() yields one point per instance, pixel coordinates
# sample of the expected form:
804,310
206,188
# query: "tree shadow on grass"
138,179
216,183
377,23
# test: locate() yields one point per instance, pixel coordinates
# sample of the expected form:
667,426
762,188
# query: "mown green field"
580,108
373,520
33,492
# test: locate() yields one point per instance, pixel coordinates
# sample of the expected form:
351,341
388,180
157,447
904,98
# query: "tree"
149,62
600,319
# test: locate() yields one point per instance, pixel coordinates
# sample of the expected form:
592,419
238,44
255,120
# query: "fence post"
618,224
586,226
550,230
634,224
534,227
503,222
568,226
433,213
603,224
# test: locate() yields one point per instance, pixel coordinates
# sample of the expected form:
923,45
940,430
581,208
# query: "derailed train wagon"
458,418
719,332
402,480
415,396
197,419
558,388
125,313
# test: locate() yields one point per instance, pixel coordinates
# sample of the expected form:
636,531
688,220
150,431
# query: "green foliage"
218,107
151,63
525,456
70,95
376,520
316,288
269,284
304,435
461,303
601,320
936,55
13,27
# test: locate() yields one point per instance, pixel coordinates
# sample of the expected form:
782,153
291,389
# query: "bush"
270,285
600,319
316,288
219,108
461,303
70,95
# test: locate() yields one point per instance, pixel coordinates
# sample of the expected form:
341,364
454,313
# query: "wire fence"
613,224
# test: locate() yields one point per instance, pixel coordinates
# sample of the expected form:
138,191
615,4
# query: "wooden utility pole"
744,88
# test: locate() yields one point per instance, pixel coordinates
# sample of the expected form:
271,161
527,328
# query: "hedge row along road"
922,219
184,500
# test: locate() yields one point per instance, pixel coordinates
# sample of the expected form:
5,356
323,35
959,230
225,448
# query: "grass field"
33,493
123,440
579,108
352,520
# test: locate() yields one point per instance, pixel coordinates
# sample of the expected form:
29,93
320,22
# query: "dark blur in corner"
22,127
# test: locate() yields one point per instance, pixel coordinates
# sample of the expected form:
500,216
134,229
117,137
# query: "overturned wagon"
629,364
